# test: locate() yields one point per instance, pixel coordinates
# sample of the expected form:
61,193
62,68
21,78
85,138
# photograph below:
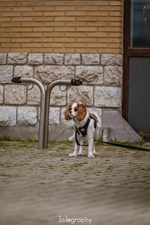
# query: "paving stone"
47,187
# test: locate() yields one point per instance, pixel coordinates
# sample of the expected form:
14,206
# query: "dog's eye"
75,109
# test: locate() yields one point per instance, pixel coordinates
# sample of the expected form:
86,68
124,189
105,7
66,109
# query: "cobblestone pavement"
46,187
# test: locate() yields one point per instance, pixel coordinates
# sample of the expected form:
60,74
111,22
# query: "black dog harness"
83,130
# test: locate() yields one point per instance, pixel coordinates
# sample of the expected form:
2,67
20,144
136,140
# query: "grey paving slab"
46,187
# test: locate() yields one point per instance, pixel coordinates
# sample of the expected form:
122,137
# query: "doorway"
136,65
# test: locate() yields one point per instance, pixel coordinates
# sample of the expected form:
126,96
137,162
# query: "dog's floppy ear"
81,111
66,113
94,117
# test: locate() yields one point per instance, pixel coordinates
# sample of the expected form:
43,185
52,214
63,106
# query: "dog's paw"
95,153
80,153
72,155
90,155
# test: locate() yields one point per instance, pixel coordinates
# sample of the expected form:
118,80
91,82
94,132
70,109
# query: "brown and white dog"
87,126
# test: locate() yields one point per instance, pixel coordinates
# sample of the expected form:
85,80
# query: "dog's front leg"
90,147
81,147
75,152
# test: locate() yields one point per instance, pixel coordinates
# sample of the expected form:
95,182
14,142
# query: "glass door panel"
140,24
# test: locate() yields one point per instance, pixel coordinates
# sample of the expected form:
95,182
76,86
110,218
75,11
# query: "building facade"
51,40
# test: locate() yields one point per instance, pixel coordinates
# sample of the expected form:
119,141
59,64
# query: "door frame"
127,53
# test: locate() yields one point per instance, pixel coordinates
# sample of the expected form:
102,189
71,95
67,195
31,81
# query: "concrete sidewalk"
46,187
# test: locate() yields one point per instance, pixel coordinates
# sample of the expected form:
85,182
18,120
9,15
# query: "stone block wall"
101,75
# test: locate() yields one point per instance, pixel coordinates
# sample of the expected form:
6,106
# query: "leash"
114,144
125,146
83,131
118,145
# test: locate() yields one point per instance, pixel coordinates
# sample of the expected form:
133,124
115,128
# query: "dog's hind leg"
72,137
90,147
81,147
94,151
